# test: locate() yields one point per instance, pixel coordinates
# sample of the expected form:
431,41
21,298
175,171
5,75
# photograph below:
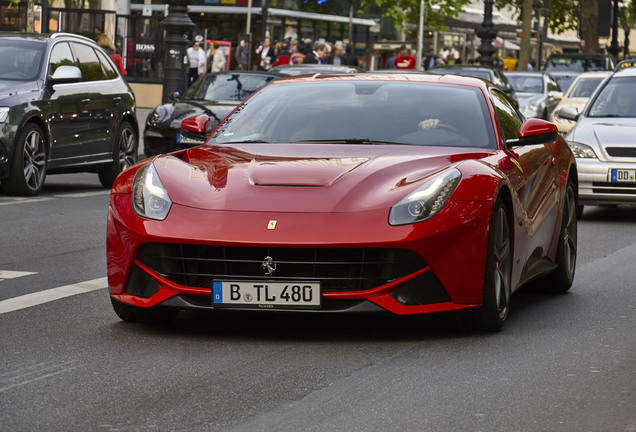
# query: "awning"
499,43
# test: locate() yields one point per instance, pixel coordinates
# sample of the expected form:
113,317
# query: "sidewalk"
142,114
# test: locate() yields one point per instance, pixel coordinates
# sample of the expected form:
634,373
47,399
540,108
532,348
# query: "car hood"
278,178
604,132
13,88
171,115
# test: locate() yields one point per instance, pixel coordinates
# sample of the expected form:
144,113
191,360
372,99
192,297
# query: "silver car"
604,141
538,93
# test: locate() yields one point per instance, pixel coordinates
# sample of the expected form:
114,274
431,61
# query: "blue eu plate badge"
217,292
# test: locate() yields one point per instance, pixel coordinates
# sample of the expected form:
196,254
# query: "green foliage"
405,11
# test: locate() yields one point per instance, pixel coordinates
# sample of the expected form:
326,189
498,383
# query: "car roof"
578,55
43,36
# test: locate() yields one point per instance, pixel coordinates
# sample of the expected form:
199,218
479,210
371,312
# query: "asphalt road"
562,363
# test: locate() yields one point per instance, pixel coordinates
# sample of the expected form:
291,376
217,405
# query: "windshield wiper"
245,142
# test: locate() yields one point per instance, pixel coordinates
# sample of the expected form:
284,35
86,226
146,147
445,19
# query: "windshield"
573,64
226,87
584,87
20,59
363,112
616,99
526,84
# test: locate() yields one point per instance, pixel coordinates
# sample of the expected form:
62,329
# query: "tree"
404,11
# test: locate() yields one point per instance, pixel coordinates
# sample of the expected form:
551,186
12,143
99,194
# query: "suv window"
61,56
509,119
88,62
108,69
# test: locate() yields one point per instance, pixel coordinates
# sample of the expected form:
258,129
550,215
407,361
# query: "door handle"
86,101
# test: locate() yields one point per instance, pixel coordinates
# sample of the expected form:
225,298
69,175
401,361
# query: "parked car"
538,93
565,67
577,96
302,69
214,94
64,107
603,141
350,193
493,75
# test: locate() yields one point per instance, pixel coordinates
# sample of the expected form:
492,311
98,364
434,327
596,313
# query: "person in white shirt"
196,56
216,59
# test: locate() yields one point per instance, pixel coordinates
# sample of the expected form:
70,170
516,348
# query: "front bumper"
451,248
596,185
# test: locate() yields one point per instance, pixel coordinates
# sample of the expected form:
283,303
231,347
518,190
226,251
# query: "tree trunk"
588,25
526,18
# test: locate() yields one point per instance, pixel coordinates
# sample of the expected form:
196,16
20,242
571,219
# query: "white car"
604,141
577,96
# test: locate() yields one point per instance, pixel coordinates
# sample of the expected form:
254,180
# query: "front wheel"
28,168
493,313
124,154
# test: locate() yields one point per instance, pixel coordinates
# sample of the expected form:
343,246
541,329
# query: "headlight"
150,199
582,151
4,113
427,200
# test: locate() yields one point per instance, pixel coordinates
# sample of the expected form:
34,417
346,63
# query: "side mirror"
568,113
66,74
195,130
535,131
174,97
556,95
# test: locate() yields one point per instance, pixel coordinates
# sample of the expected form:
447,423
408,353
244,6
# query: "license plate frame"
259,294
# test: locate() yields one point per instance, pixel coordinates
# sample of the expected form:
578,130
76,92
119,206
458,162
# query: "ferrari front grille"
336,269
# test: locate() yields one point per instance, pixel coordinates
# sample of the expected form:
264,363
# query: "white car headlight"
4,113
150,199
427,200
582,151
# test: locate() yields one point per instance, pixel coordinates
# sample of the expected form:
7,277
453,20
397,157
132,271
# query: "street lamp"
176,24
614,49
487,33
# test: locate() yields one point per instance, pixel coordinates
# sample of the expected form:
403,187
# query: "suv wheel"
28,168
124,154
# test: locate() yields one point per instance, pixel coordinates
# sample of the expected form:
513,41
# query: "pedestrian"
283,54
241,56
429,61
318,54
404,60
106,42
196,57
265,55
337,57
509,63
215,59
450,59
390,62
350,58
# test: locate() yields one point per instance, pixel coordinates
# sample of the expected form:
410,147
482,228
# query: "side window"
88,62
509,119
552,84
60,56
106,65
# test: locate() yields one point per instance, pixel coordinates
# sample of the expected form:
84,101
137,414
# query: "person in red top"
404,60
106,42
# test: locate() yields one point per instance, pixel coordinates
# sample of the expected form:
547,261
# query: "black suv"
64,107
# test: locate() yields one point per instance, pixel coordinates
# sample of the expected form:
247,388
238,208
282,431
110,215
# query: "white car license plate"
266,295
622,175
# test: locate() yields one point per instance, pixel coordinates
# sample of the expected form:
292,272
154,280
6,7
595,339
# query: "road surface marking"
83,194
40,297
23,376
11,201
7,274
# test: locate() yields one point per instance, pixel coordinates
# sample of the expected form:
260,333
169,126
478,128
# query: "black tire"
28,167
135,314
493,313
579,211
560,280
125,150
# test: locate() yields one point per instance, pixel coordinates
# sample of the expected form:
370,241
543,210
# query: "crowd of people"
298,52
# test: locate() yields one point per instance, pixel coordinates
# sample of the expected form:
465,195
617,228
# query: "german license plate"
622,175
266,295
